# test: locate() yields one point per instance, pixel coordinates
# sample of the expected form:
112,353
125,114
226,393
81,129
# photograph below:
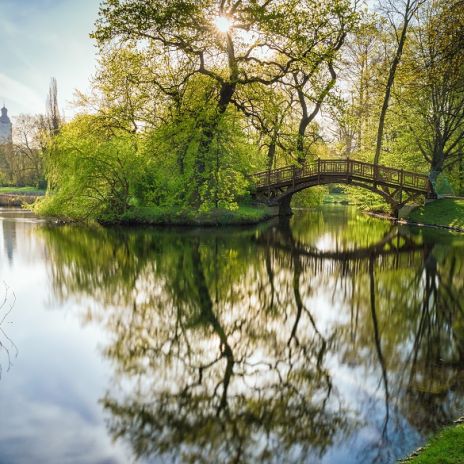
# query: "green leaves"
90,174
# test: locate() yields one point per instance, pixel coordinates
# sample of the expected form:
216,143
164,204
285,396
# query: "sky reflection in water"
336,338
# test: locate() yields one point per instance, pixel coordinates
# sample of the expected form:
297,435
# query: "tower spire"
6,128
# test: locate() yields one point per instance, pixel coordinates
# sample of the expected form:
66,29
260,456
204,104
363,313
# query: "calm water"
336,338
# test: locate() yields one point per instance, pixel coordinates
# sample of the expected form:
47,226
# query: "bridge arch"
396,186
283,201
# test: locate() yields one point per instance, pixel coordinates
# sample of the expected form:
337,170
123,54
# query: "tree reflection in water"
227,345
8,348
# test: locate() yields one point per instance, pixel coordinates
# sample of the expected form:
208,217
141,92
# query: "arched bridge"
396,186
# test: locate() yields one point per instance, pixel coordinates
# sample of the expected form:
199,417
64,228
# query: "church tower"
6,128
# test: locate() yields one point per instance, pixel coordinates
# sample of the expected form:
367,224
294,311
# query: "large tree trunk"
225,96
271,154
437,164
209,132
304,123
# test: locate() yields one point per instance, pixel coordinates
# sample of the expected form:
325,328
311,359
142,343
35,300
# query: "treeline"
191,97
22,161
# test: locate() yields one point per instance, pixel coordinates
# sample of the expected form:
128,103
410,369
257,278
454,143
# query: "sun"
223,24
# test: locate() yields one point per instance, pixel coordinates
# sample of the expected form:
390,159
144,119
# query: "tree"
233,43
29,148
399,13
269,110
305,81
361,69
53,117
89,172
434,98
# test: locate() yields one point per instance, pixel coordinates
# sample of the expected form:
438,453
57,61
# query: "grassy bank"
21,191
244,215
445,448
446,212
19,196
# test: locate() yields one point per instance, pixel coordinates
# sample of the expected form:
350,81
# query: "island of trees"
191,97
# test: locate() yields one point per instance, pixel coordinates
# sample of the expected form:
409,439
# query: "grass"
446,212
445,448
219,217
21,191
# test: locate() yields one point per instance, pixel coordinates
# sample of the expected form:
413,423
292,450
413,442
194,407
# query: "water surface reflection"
335,338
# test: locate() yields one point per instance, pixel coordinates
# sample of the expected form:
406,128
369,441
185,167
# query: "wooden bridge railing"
343,168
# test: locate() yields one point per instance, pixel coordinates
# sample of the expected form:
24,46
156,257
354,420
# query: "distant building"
6,128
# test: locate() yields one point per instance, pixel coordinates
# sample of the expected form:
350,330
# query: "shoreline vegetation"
243,215
19,196
156,216
443,448
446,213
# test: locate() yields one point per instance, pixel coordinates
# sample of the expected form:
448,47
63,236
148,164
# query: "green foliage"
90,172
154,215
182,112
97,173
309,198
337,199
368,201
198,158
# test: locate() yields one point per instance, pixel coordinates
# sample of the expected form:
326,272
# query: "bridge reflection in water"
308,343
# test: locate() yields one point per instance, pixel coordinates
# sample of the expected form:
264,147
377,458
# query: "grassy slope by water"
165,216
446,212
21,191
447,447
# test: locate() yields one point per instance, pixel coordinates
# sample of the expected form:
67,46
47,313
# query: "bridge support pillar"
395,210
284,206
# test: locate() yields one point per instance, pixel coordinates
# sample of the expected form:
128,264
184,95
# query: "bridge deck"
342,170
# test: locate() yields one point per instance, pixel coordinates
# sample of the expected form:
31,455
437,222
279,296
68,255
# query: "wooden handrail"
343,167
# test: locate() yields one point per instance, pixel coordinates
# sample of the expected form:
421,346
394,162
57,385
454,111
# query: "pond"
332,338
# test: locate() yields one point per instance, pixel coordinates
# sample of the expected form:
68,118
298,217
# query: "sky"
41,39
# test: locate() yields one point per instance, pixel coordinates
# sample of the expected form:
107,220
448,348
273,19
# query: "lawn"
446,212
21,191
445,448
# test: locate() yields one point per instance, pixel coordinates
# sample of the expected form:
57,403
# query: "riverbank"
19,196
447,213
10,199
156,216
447,447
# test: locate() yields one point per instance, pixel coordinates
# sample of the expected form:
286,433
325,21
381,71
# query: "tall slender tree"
399,14
54,119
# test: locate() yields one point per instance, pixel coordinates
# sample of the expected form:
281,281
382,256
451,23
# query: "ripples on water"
337,338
